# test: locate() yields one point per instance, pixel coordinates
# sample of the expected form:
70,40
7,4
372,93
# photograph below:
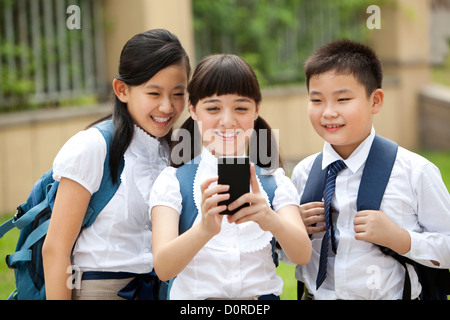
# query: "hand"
312,213
259,210
211,217
378,228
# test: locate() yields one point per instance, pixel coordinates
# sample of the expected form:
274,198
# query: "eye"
212,109
241,109
315,100
153,93
343,99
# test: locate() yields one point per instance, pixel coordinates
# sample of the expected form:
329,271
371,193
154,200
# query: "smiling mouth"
228,135
333,126
161,120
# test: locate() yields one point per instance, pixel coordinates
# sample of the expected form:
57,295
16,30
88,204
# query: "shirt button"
146,250
146,227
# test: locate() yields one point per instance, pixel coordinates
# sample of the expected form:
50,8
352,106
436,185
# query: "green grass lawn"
8,242
7,246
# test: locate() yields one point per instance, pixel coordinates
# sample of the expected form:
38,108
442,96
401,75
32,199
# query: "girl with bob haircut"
224,258
114,254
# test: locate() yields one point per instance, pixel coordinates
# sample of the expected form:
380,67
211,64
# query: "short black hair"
347,57
223,74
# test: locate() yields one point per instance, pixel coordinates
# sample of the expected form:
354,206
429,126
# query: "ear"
121,90
377,101
192,111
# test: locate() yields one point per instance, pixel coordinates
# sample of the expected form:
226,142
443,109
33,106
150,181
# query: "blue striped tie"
335,168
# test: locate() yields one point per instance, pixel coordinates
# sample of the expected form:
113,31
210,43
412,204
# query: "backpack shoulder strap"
315,183
107,188
185,175
268,183
376,174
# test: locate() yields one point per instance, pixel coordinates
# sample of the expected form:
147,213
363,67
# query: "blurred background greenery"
45,65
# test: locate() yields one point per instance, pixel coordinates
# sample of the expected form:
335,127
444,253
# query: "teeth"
333,126
161,119
227,135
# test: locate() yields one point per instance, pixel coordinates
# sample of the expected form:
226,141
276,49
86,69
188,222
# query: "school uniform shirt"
415,199
120,238
235,263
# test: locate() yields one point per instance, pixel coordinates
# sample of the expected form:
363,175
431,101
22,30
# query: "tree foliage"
275,36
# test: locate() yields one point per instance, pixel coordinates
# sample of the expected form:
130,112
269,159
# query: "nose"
166,106
227,120
330,111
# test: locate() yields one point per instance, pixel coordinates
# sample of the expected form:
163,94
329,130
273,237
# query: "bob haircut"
222,74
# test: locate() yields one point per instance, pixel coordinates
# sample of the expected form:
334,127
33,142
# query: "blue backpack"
185,175
377,171
33,217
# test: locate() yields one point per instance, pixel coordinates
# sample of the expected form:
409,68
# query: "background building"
55,77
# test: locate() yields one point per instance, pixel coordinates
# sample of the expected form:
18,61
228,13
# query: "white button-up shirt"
120,239
235,263
416,199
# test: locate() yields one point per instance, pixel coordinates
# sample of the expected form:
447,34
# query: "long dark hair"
225,74
143,56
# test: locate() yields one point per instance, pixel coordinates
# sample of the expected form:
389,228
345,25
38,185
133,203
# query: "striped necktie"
330,184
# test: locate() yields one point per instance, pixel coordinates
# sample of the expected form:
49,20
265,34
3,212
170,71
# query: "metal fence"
50,54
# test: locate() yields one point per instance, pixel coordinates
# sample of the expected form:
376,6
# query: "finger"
246,218
313,220
244,215
213,201
359,221
243,212
315,229
253,180
312,205
363,213
217,189
217,210
205,184
359,229
318,211
245,198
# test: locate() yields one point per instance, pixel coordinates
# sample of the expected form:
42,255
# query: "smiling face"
225,122
156,105
340,110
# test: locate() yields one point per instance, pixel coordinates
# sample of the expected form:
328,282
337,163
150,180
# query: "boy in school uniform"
344,84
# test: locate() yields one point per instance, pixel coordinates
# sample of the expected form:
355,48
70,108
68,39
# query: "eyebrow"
155,86
340,91
213,100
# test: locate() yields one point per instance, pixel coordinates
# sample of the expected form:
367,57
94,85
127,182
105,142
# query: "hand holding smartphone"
235,172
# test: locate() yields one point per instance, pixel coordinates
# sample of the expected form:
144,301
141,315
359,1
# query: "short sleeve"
286,193
81,159
166,191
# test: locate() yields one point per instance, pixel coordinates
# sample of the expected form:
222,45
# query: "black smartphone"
235,172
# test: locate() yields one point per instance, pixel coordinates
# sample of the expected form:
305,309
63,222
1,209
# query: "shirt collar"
356,159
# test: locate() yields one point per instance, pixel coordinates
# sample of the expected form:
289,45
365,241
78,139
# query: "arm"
69,210
173,252
425,237
286,225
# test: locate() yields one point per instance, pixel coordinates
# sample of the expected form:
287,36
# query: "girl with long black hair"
116,250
